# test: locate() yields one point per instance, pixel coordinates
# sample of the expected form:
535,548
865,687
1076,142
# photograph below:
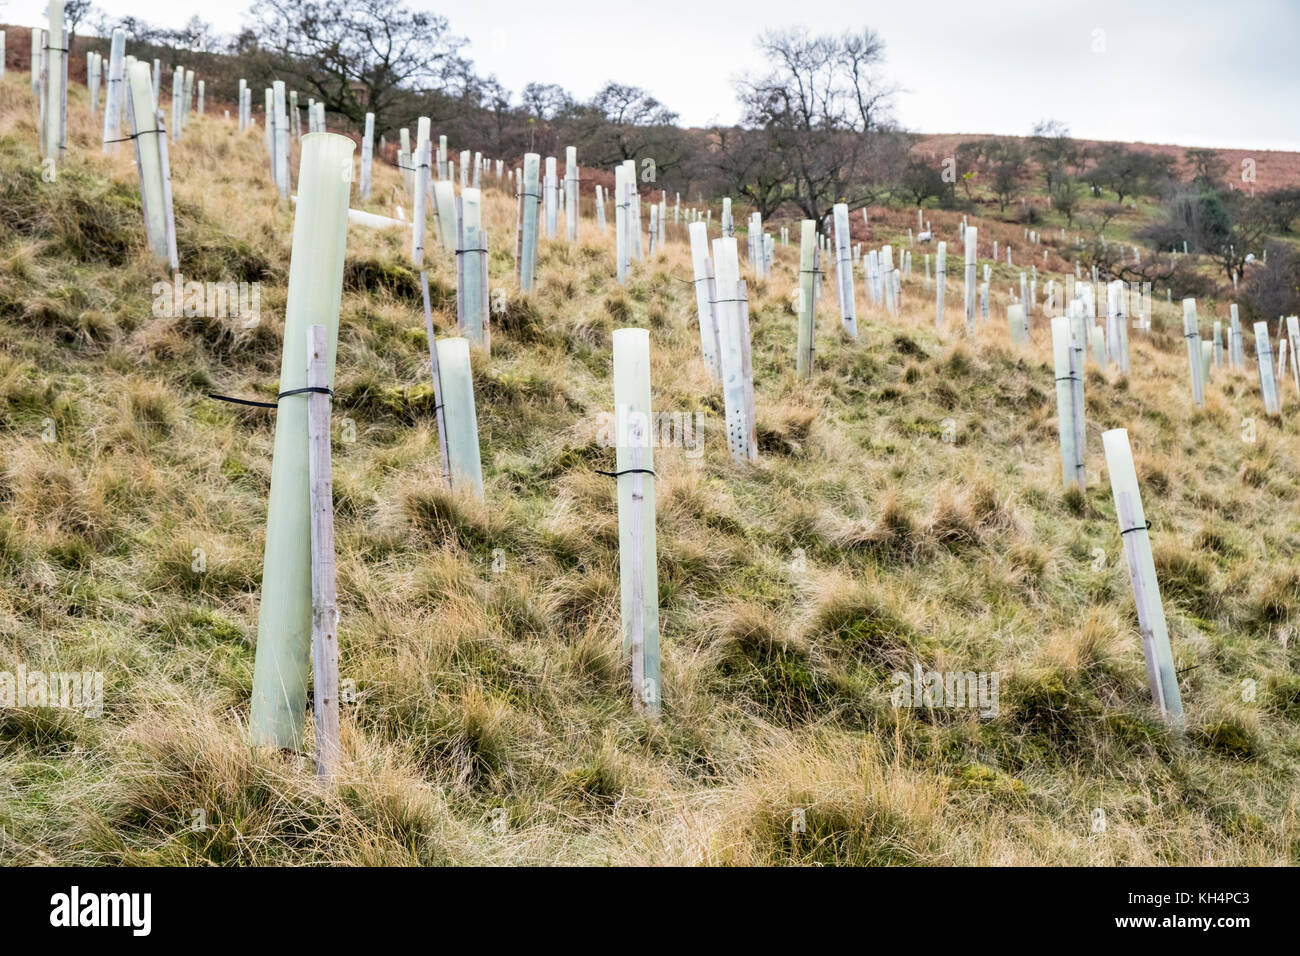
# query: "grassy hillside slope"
493,722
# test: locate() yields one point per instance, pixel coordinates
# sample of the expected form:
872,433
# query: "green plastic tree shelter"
638,571
315,289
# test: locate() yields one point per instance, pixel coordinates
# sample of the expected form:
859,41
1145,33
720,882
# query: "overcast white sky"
1191,72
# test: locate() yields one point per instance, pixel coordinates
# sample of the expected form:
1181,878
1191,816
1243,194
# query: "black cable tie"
462,251
1138,528
316,389
626,471
127,139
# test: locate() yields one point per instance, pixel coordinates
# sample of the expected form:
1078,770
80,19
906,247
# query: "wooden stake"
324,600
437,379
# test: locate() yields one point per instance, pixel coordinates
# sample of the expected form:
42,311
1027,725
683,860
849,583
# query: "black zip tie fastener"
127,139
1147,527
315,389
626,471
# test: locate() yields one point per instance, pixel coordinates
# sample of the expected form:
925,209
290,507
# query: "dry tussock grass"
491,723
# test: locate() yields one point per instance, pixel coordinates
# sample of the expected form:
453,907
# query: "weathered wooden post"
315,291
530,197
459,415
634,472
439,412
1161,675
807,298
747,372
844,270
1293,333
1192,335
324,598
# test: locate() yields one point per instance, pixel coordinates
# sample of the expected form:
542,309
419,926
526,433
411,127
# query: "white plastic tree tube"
1067,379
1017,325
444,208
571,193
728,224
1235,353
315,291
1192,336
419,202
367,155
622,223
1267,380
703,305
807,311
844,270
528,253
473,257
969,297
199,108
92,75
637,558
281,143
113,100
940,280
600,209
148,159
730,331
1136,540
458,411
54,90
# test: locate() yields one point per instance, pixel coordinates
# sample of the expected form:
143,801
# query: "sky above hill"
1195,72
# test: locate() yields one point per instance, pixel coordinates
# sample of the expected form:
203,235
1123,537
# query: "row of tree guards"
298,615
